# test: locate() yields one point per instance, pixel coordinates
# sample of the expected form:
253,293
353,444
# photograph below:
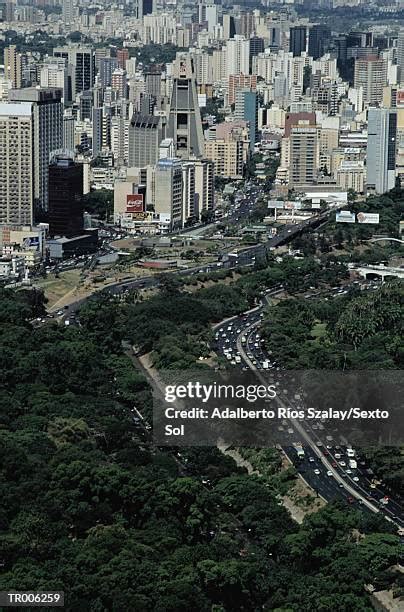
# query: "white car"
317,472
329,473
355,479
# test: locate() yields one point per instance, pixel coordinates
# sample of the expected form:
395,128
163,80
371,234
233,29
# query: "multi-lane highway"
325,462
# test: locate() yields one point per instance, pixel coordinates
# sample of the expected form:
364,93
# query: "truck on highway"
299,450
350,452
265,364
352,464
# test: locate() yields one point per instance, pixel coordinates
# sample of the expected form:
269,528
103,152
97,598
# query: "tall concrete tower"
184,122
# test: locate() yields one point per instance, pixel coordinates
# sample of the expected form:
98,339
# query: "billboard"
276,204
400,97
345,216
134,203
368,218
31,242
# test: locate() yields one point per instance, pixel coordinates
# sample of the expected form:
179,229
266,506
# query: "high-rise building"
145,135
381,149
188,191
68,11
142,7
153,84
371,75
54,74
240,81
118,82
237,55
204,186
298,40
246,109
82,61
319,40
257,46
122,55
400,54
184,121
65,196
13,65
47,134
227,156
16,164
303,149
107,67
168,191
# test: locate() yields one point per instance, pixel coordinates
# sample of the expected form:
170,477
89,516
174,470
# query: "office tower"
400,54
188,191
145,136
13,66
297,41
240,81
227,156
118,82
229,27
184,121
97,116
153,84
16,164
48,134
68,11
319,40
208,13
168,191
142,8
120,140
381,149
122,55
107,67
82,62
360,39
204,186
246,109
247,24
9,11
55,75
304,155
85,104
69,124
371,75
65,196
256,47
237,56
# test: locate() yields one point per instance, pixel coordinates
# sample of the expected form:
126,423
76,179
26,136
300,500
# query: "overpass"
382,271
386,239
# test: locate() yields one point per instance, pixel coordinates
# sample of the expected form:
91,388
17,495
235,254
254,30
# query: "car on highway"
317,472
329,473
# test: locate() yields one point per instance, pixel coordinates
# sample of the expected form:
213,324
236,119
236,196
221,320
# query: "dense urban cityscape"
202,305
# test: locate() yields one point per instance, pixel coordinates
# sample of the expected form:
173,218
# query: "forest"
91,507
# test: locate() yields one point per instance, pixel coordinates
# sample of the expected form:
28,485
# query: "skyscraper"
246,109
107,67
82,61
298,40
381,149
13,65
400,54
145,135
68,11
371,75
184,121
16,164
122,55
168,191
47,135
319,40
65,196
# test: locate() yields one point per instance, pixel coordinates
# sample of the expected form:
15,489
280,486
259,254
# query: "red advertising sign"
400,97
134,203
